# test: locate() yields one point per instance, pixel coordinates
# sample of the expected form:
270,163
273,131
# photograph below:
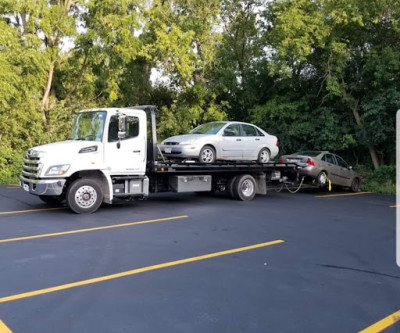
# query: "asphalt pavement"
306,262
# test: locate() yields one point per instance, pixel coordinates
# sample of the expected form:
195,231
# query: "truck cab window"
132,128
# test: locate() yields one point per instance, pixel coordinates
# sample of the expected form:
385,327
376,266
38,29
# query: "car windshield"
308,153
209,128
89,126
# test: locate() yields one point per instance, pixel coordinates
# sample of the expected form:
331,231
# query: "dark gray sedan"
323,165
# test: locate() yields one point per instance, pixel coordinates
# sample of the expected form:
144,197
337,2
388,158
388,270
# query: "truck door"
231,144
128,155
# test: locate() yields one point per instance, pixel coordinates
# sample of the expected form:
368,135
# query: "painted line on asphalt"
135,271
76,231
4,328
383,324
394,206
31,210
341,195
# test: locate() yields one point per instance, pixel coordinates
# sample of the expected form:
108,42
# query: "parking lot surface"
306,262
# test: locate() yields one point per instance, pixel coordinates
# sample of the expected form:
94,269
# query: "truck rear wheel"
244,188
84,196
229,187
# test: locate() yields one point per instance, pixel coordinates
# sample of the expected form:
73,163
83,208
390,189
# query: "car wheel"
84,196
264,156
322,180
244,188
355,185
207,155
52,199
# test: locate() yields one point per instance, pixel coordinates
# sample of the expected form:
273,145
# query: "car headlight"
57,170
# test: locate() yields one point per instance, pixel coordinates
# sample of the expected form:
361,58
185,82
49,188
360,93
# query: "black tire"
244,188
322,180
229,187
53,200
207,155
264,156
84,196
355,185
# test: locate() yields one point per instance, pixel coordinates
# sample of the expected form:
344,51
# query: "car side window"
249,130
341,162
329,158
132,128
259,133
232,130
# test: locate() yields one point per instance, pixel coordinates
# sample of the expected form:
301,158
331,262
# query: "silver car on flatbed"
222,140
323,165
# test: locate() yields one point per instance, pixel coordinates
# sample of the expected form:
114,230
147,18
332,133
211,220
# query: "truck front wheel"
84,196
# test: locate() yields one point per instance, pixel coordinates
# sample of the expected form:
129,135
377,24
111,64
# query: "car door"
231,143
128,155
251,142
330,164
345,172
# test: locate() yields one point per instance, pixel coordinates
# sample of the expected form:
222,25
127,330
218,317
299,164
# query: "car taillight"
281,160
277,143
310,162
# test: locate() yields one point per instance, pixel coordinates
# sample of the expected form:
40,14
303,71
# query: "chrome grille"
31,165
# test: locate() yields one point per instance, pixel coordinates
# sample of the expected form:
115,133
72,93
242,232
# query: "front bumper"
42,186
183,151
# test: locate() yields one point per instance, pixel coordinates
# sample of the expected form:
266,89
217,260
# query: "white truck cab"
104,143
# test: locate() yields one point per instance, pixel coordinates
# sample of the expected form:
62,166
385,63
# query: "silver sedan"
323,165
223,140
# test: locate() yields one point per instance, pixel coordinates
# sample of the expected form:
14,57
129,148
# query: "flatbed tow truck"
113,154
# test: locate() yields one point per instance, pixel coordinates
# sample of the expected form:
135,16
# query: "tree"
341,43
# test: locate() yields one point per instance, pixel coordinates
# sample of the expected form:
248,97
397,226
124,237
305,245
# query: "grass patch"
381,181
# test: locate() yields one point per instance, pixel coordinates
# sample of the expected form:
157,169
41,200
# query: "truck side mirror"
121,126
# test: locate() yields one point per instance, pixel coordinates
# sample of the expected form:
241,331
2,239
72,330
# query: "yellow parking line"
394,206
76,231
134,271
383,324
340,195
4,328
30,211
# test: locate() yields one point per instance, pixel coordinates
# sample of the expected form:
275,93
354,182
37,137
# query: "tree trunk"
46,95
371,148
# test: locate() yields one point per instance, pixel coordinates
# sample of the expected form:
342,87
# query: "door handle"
136,151
257,139
238,139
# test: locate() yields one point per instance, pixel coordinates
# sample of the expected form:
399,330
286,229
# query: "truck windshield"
209,128
89,126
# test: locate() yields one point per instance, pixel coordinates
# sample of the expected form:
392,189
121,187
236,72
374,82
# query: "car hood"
189,138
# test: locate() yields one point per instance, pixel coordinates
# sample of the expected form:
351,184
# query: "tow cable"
288,188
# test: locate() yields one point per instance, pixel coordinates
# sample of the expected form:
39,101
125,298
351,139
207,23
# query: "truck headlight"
57,170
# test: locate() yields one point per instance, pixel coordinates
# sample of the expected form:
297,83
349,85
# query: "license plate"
25,187
168,150
292,160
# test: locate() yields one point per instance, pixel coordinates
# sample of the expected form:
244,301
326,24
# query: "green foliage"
382,180
320,74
